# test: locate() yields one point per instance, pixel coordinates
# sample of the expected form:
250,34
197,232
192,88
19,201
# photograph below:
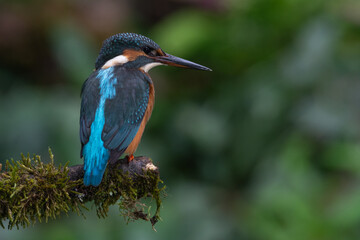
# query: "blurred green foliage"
264,147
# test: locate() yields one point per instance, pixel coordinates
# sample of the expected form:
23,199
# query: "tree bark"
31,190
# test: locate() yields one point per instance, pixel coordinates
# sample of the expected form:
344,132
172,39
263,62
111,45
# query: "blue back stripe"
95,154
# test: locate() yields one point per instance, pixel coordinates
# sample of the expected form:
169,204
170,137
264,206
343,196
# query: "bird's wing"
125,112
90,98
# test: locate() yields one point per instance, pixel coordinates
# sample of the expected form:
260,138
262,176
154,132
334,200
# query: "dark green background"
264,147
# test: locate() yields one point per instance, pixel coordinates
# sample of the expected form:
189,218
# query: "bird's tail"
93,177
95,165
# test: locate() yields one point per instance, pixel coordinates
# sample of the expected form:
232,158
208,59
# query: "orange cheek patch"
160,52
132,54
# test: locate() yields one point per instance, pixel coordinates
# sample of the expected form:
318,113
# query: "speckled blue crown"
116,44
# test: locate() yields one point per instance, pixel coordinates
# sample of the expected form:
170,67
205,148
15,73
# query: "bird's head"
137,51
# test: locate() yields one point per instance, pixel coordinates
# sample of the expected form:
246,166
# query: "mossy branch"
31,190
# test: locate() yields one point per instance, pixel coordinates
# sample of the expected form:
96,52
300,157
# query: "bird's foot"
130,157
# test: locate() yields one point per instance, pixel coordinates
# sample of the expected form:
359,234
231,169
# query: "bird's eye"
150,51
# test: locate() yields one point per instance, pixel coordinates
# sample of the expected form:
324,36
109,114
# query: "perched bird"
117,100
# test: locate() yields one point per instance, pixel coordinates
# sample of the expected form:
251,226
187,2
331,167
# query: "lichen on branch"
31,190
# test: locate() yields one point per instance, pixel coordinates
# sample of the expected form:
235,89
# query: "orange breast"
135,142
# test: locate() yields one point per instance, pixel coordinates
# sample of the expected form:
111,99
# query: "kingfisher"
117,100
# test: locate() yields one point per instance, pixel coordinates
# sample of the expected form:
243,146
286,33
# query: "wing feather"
124,113
89,102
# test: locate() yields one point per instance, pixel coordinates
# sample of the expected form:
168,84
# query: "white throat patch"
118,60
149,66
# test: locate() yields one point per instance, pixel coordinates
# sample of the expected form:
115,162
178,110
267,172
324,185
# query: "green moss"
31,191
117,185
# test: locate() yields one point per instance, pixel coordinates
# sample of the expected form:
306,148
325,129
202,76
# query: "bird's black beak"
179,62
